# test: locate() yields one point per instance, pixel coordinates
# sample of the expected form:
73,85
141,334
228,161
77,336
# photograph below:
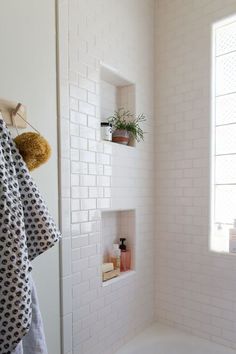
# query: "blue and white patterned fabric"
26,230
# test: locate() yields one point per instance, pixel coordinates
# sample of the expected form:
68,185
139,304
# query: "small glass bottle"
125,257
106,131
115,256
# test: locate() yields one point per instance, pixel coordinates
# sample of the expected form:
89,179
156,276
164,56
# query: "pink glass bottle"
125,257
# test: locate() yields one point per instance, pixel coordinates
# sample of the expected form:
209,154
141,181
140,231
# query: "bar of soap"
107,267
109,275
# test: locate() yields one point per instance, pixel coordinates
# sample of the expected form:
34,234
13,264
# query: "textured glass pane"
226,74
226,39
225,204
225,169
226,109
226,139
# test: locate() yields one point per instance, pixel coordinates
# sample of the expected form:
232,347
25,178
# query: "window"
223,196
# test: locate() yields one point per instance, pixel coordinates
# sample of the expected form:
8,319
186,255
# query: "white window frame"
212,241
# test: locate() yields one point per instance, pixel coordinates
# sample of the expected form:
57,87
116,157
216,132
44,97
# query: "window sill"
224,253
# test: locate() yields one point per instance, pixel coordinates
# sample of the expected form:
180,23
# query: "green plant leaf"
124,120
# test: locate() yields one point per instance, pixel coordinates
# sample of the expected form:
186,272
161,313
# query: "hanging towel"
34,341
26,230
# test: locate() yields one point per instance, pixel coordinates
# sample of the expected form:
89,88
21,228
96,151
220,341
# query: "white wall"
195,288
28,75
97,175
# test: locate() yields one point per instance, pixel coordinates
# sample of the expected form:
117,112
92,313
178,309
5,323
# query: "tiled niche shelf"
116,92
117,224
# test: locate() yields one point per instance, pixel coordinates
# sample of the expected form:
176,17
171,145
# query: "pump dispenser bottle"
125,257
232,238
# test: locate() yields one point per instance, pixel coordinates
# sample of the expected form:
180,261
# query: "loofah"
34,149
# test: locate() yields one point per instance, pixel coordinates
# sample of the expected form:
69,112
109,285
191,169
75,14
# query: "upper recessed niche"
116,92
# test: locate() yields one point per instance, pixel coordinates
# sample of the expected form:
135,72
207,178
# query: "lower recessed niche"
118,224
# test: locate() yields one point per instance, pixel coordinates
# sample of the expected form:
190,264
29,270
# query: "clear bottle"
115,256
125,257
106,131
232,238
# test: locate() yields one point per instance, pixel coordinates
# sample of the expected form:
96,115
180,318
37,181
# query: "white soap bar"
107,267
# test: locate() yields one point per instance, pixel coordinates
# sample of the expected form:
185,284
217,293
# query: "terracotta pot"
121,136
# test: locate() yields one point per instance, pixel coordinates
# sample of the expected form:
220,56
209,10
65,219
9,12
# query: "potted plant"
125,126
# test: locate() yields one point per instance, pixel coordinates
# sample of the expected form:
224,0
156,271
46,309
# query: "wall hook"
14,114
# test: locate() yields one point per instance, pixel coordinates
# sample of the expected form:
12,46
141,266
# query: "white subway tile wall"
97,175
195,288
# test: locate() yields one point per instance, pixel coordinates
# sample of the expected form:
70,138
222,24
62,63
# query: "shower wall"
99,176
195,288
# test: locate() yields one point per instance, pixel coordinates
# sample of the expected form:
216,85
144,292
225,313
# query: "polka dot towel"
26,230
